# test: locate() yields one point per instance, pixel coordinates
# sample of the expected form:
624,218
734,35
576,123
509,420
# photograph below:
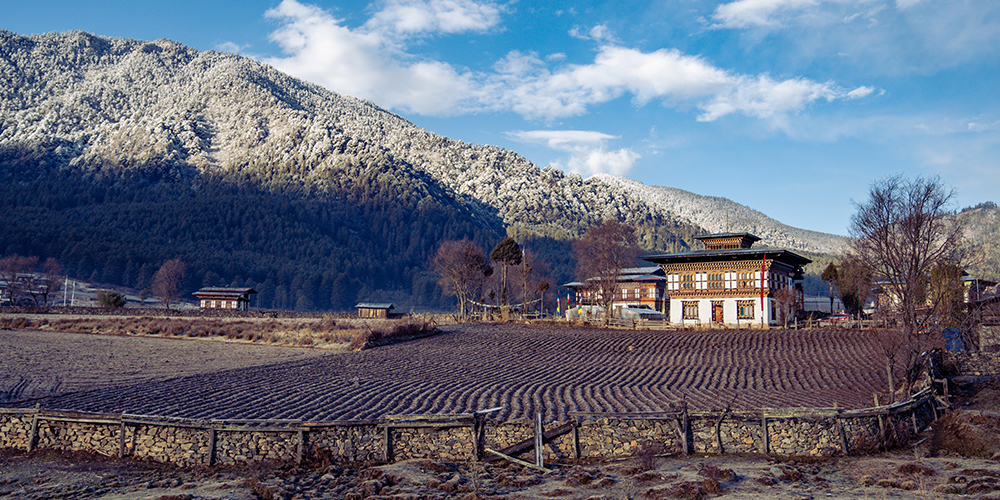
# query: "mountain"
117,154
720,215
982,240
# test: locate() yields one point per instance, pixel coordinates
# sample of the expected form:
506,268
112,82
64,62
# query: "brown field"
524,369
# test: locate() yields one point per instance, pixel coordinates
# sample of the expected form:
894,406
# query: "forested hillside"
117,154
982,240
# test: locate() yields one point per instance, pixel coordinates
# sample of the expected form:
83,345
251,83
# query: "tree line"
371,240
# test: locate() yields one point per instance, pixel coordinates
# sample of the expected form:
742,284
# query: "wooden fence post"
843,433
34,433
576,438
387,438
212,439
301,448
539,441
881,429
765,436
682,429
477,436
718,433
121,439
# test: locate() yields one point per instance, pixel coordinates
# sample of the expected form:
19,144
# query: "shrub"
647,454
110,298
716,474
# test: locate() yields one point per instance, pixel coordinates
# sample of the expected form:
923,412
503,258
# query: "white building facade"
730,283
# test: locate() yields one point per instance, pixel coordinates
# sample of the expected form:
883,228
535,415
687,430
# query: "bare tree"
13,272
462,268
601,254
786,298
168,280
899,234
506,254
854,282
830,276
46,283
529,278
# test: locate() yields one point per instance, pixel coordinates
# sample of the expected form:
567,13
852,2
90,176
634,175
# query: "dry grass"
327,332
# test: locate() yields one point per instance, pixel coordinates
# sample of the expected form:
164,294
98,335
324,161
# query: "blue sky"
792,107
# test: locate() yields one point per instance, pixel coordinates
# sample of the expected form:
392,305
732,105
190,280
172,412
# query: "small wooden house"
639,287
225,298
369,310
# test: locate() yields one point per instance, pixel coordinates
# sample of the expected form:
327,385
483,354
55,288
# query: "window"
687,282
745,309
716,281
690,310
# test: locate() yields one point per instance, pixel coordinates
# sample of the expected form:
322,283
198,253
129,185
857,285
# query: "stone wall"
452,444
972,362
360,442
241,446
610,437
181,445
789,433
15,428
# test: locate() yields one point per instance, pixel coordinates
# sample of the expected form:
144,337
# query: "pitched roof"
728,255
225,291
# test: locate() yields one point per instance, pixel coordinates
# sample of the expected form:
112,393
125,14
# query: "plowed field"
523,369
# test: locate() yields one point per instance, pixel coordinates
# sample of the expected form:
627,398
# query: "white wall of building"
730,311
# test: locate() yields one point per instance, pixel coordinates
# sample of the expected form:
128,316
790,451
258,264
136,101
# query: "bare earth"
893,475
521,368
38,364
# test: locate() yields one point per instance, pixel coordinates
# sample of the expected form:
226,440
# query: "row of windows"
727,280
652,293
745,309
220,304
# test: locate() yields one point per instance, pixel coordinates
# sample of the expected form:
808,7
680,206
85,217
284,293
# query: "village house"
641,288
372,310
225,298
730,283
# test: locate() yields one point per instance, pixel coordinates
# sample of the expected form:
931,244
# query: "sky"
792,107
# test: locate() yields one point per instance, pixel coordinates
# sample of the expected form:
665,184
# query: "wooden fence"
470,436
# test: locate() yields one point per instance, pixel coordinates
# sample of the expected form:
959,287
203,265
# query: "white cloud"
446,16
860,92
974,126
664,74
563,140
599,33
372,62
746,13
229,47
586,150
890,36
366,64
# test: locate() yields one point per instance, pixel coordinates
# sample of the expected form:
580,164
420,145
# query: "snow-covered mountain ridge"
112,106
718,215
79,101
